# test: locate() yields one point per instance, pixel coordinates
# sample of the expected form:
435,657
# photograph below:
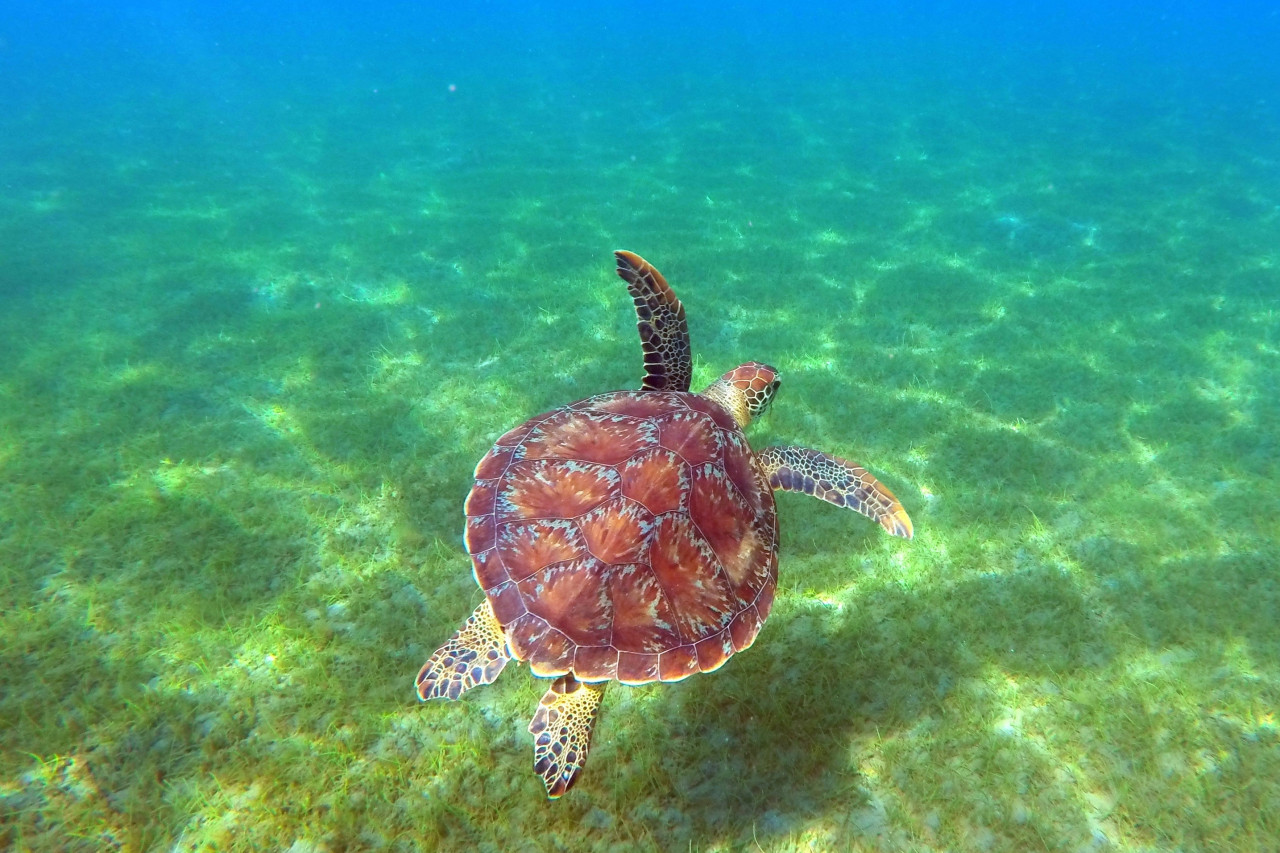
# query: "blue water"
225,100
273,277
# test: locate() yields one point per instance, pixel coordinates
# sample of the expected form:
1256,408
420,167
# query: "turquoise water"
271,283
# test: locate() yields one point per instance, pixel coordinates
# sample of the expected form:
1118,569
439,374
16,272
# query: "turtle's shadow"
770,743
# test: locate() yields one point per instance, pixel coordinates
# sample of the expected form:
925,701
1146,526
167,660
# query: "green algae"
231,487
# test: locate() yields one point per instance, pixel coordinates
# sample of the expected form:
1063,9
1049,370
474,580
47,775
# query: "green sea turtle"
632,536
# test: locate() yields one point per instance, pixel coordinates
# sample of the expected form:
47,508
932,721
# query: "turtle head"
746,391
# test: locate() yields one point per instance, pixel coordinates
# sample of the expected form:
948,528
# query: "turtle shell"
628,536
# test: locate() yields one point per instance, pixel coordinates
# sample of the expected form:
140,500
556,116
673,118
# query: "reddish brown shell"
628,536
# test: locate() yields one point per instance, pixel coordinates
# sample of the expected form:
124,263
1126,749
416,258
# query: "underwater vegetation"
632,536
239,416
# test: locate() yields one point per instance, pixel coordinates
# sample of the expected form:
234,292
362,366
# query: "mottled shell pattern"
628,536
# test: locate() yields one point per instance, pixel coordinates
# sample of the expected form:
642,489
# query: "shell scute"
480,534
588,436
553,488
743,470
635,668
678,663
714,651
628,536
600,661
726,521
744,628
515,435
507,602
618,531
715,411
530,546
555,651
482,497
637,404
488,569
693,436
657,479
573,597
494,463
643,619
690,576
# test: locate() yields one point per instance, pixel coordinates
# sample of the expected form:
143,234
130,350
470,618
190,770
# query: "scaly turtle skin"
632,536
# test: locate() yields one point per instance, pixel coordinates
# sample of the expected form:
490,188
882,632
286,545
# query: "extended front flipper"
834,480
664,332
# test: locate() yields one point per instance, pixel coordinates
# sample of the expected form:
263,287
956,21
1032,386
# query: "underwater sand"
244,382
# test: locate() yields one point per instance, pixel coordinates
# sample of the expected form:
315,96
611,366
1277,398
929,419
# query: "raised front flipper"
561,730
799,469
473,656
664,333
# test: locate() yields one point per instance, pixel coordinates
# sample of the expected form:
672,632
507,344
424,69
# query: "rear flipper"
834,480
561,731
475,655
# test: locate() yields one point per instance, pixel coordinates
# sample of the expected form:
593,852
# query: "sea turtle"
631,536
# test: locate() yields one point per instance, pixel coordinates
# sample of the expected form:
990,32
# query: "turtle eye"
760,400
769,394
